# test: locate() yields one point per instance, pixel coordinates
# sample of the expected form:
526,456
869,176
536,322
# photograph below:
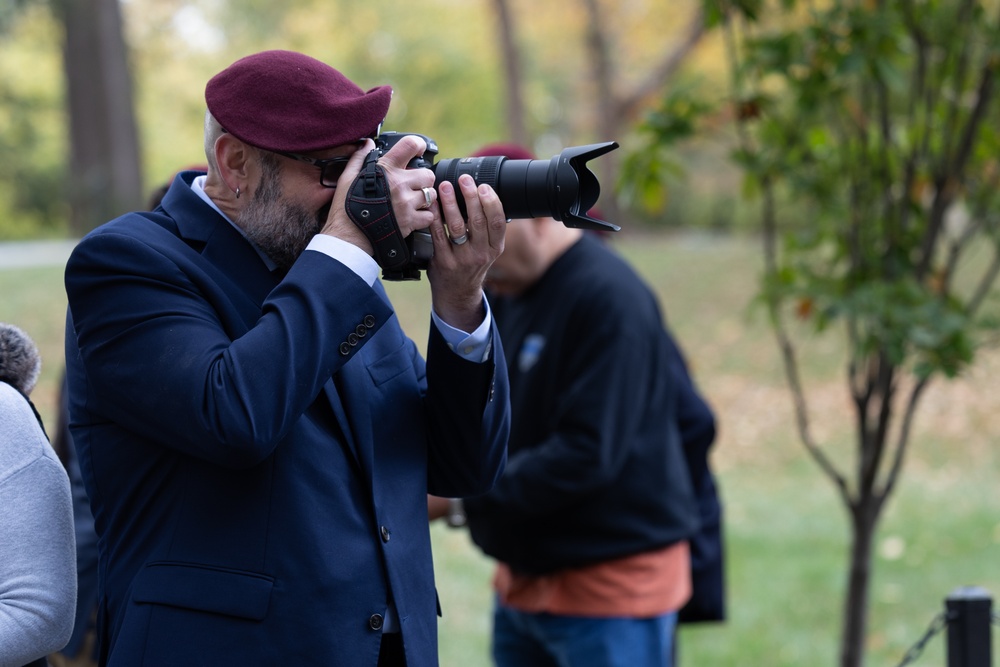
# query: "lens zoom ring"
489,170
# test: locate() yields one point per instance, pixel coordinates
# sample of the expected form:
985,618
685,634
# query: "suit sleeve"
174,358
473,414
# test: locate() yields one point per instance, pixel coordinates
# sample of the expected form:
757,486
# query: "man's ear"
235,163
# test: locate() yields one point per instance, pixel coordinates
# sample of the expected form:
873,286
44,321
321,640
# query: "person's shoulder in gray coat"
37,541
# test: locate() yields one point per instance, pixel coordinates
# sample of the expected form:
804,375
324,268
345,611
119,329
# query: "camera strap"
369,206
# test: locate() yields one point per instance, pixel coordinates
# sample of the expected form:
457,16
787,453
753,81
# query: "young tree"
867,132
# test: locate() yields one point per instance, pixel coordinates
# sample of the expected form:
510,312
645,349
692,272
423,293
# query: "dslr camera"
562,188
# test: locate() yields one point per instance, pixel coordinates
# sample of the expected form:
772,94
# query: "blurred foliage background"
651,76
442,57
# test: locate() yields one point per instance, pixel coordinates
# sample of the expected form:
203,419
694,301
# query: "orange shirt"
639,586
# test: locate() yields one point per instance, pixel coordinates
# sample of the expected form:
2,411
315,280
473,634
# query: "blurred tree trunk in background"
608,127
105,175
618,109
512,74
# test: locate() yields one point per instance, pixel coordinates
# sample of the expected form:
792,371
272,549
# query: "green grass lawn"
785,529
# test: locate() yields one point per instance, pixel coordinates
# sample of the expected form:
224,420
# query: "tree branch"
952,166
628,105
904,438
769,227
874,444
985,283
955,251
790,363
957,79
802,411
919,86
984,94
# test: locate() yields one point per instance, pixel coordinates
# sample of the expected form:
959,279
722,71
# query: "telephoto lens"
561,188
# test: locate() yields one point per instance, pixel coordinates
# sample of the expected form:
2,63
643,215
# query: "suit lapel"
234,256
219,242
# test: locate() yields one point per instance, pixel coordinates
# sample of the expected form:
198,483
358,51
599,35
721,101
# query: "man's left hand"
464,251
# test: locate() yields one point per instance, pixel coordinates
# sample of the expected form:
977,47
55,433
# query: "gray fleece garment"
37,540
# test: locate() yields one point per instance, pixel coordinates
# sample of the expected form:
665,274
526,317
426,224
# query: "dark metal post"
969,616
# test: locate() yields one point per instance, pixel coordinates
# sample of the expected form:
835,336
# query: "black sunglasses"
330,169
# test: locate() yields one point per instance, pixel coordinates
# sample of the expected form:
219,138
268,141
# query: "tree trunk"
608,125
105,178
864,518
617,108
512,75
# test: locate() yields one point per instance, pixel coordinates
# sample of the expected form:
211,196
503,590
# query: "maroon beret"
509,151
287,101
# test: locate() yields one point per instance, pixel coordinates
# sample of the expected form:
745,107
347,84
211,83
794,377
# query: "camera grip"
369,207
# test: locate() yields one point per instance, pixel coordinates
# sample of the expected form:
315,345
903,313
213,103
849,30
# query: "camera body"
562,188
386,140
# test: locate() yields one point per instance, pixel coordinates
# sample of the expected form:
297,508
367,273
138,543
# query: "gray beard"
281,230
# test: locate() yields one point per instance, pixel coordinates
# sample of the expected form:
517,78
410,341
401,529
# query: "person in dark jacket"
592,520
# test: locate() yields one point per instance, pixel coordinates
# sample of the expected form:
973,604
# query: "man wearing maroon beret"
256,433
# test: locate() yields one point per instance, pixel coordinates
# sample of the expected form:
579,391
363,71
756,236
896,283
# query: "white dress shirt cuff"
348,254
472,347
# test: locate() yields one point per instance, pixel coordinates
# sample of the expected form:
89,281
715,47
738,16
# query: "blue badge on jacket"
531,350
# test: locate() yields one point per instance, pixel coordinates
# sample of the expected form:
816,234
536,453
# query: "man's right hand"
405,190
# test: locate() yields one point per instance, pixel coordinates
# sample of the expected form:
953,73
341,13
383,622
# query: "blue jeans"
545,640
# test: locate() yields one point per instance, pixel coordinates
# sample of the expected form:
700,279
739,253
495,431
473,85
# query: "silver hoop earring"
237,192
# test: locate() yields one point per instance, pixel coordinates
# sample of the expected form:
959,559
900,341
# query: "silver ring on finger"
459,240
427,199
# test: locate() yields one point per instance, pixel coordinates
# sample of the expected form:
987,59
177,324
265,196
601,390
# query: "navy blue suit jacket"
258,448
